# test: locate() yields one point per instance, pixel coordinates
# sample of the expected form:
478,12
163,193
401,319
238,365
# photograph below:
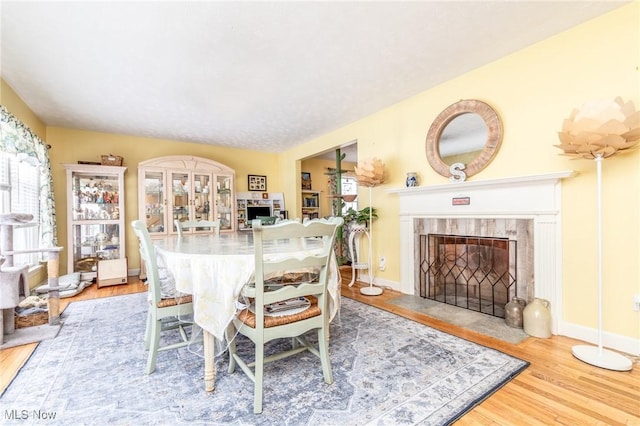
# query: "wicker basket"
111,160
39,318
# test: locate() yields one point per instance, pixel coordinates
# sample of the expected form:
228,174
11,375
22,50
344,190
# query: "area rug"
387,371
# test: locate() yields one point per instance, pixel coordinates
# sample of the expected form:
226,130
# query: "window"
19,193
26,186
349,187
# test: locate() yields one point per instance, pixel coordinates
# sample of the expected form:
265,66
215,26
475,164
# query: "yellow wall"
533,90
17,107
69,146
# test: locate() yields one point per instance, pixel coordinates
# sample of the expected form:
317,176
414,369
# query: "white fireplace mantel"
536,197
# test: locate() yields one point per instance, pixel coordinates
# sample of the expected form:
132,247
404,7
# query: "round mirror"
467,132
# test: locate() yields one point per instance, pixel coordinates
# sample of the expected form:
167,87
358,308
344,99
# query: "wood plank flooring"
556,389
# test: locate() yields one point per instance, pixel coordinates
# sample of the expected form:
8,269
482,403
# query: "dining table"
213,269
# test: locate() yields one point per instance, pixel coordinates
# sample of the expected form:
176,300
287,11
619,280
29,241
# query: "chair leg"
147,332
156,326
232,348
323,348
258,378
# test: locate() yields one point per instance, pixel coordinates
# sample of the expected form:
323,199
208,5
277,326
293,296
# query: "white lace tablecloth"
214,268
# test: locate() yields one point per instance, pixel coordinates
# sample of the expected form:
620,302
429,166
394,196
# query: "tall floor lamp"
600,129
370,173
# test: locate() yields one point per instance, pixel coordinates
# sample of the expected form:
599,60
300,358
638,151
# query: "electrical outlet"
383,263
636,302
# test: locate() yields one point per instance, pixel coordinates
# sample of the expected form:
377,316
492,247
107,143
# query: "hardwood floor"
555,389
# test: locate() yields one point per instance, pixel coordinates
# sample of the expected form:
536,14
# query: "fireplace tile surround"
535,198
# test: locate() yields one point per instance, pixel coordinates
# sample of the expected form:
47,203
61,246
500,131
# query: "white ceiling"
257,75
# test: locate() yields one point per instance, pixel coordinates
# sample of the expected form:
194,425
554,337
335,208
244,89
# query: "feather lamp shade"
370,172
600,129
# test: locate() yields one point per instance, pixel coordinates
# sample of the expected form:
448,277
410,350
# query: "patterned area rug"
387,371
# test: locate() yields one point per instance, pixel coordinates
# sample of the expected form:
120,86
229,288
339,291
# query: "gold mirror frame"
491,146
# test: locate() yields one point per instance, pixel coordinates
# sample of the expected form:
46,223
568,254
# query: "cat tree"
14,282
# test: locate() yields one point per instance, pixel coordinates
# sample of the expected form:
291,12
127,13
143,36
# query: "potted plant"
359,217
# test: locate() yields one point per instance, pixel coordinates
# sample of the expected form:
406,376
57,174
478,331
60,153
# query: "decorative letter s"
457,174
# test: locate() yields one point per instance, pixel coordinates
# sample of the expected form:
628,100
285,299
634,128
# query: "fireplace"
491,258
475,273
524,209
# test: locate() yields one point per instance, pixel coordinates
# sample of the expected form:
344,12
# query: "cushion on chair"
178,300
249,318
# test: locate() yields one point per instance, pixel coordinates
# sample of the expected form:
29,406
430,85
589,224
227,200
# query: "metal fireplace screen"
476,273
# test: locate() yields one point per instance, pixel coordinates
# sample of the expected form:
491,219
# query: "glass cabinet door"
95,197
224,201
180,195
191,195
92,243
202,197
154,201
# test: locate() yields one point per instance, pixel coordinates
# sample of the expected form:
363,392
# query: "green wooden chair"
263,322
165,313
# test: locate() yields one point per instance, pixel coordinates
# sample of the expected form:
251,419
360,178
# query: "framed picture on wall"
306,180
257,183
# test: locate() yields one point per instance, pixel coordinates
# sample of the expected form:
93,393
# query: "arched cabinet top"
187,162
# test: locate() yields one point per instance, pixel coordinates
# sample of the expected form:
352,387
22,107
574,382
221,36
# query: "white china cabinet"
185,187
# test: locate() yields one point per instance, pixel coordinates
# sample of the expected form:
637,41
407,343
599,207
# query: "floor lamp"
370,173
600,130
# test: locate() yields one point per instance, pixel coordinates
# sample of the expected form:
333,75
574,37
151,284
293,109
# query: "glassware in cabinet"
224,201
202,197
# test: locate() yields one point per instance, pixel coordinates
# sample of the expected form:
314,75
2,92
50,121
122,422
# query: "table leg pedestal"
209,361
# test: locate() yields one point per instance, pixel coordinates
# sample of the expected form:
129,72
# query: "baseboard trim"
613,341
